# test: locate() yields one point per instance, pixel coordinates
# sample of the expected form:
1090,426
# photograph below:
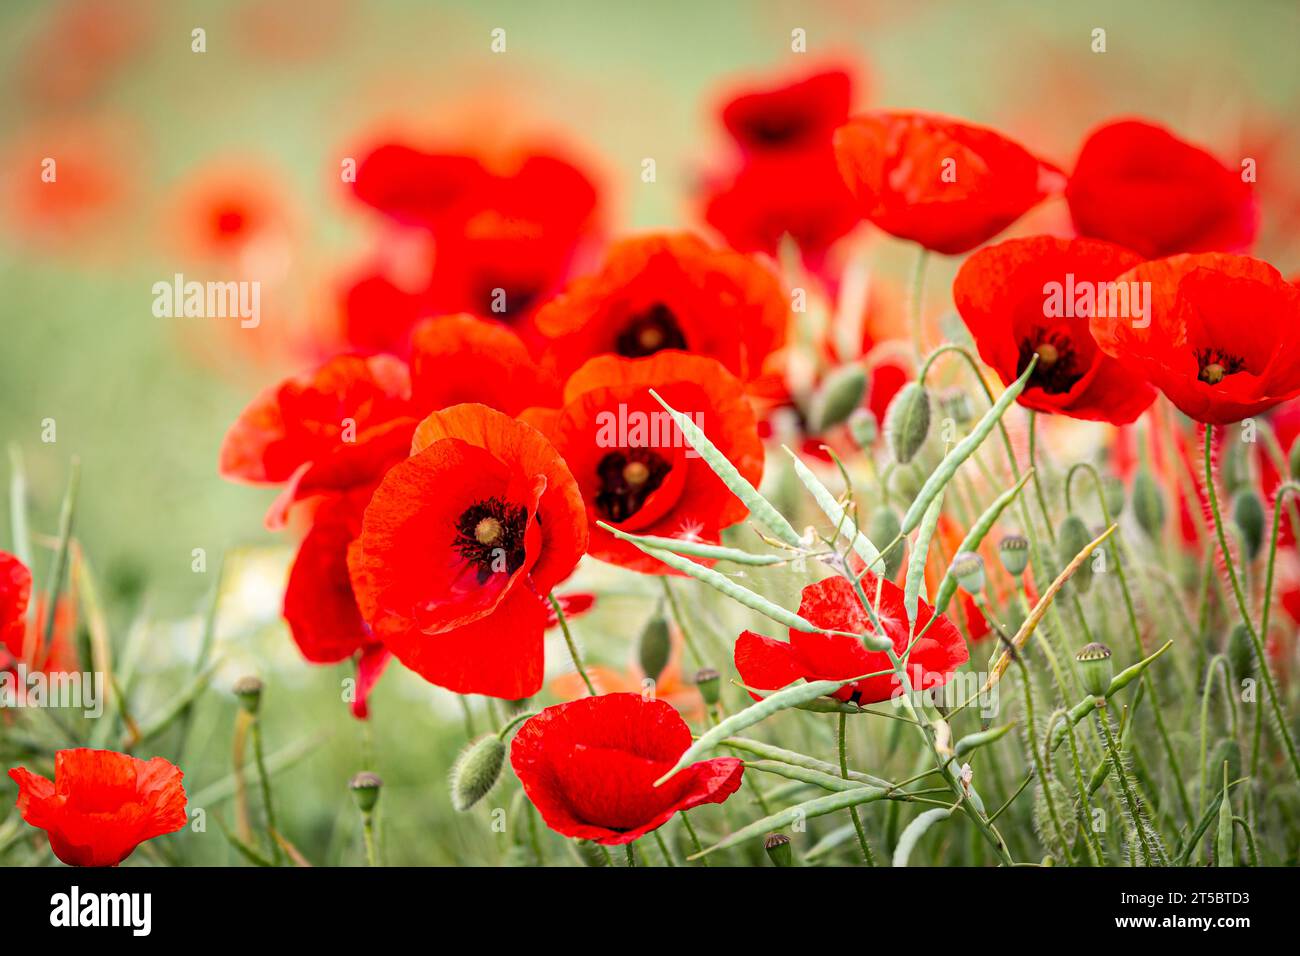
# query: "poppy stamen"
649,332
1214,365
627,479
1058,368
490,535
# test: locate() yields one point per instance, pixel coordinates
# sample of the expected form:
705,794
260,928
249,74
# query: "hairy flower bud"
884,527
1241,653
476,771
1148,505
838,396
1248,515
864,428
655,646
1072,537
907,422
1112,490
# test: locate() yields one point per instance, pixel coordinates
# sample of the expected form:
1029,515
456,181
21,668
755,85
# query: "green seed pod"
907,422
1014,552
968,569
1241,652
1248,515
884,528
1148,505
365,789
1071,538
589,853
708,682
838,396
864,428
1096,669
778,849
1294,461
1112,489
655,646
476,771
248,690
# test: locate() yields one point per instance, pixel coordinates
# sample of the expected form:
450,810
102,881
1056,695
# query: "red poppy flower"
227,212
1218,336
1140,186
791,116
668,292
589,768
944,184
459,358
768,664
22,632
415,188
634,468
15,594
459,545
377,315
334,429
101,805
1035,296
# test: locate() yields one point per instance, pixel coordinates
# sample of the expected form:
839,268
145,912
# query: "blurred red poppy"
790,116
15,594
459,547
1027,297
765,663
634,468
231,211
460,358
590,766
101,804
1139,185
333,429
1218,338
22,632
669,291
947,185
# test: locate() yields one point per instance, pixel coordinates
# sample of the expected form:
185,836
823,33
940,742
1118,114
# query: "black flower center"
776,129
505,300
1214,365
490,535
1058,367
649,332
627,479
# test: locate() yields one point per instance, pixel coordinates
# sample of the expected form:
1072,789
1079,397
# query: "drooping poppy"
101,804
670,291
1141,186
334,429
1218,337
635,469
589,767
460,358
766,663
1035,296
790,116
412,187
459,546
942,183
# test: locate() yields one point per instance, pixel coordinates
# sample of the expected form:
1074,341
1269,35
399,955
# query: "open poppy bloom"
102,804
460,358
1027,297
1220,337
633,466
1141,186
791,116
459,546
668,291
589,767
947,185
765,663
333,429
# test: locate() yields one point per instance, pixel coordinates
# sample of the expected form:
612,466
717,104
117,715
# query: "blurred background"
164,153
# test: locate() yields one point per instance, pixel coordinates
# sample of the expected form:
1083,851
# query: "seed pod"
778,849
708,681
968,568
1014,552
1096,669
1112,489
655,646
884,528
476,771
1071,538
1241,653
365,789
863,427
1148,505
839,395
248,690
1248,515
907,422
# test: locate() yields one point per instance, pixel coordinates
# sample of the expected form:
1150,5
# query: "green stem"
914,301
573,648
853,811
1135,811
368,832
695,839
264,779
681,622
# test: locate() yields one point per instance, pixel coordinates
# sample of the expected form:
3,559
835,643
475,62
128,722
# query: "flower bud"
1248,515
248,691
365,789
863,426
476,771
968,568
836,399
709,683
884,527
1014,552
778,849
1241,653
1112,489
907,422
655,646
1148,505
1096,670
1071,538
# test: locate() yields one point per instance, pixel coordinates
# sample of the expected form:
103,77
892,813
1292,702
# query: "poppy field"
560,438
